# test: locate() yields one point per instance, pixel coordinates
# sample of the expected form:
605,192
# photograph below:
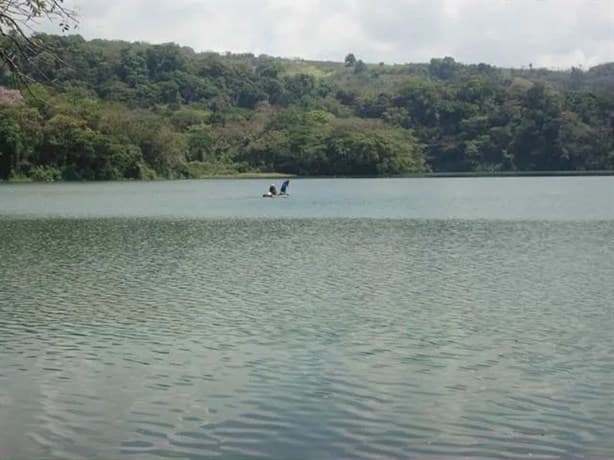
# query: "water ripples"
324,338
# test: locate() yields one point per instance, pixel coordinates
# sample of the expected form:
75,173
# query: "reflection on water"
306,338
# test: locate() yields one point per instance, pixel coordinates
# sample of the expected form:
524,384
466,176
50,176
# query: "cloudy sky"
550,33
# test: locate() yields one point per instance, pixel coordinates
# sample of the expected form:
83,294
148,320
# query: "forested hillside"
113,110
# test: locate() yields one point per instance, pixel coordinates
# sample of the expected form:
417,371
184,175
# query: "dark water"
389,319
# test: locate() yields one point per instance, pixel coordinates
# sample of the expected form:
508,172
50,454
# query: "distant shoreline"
517,174
437,175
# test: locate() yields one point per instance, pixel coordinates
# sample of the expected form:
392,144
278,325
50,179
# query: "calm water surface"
370,319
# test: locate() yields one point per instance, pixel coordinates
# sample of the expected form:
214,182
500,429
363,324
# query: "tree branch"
16,43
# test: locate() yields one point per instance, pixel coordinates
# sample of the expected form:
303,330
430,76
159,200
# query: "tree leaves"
16,18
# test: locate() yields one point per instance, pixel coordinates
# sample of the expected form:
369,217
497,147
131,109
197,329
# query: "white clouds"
554,33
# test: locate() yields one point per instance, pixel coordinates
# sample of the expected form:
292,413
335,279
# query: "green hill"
111,110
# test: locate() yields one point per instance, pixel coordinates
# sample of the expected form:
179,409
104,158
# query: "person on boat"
284,187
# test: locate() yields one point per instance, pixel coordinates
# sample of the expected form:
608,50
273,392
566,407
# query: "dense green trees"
113,110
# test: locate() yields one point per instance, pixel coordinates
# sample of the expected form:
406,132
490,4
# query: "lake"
358,318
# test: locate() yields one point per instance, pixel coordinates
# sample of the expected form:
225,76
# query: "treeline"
112,110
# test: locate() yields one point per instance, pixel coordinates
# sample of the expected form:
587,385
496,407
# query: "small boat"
280,195
272,193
